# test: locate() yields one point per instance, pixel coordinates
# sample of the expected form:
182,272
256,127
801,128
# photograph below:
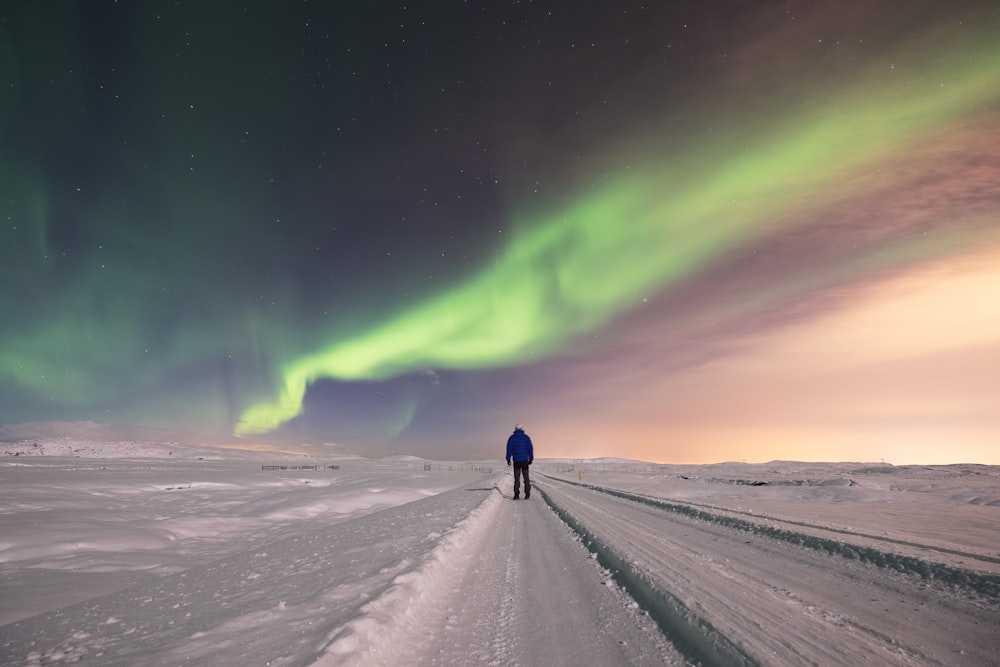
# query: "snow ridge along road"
730,591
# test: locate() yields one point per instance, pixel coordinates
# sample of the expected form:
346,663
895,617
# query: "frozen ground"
200,557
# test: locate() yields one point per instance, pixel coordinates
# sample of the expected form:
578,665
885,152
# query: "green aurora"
575,269
316,224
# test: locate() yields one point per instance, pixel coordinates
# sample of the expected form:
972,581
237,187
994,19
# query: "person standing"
522,453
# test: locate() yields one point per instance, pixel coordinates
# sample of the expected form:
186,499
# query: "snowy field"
118,554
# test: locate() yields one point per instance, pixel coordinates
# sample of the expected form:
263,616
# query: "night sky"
671,231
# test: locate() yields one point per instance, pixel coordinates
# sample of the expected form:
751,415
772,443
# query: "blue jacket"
519,447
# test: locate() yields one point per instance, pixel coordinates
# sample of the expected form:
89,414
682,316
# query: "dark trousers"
519,469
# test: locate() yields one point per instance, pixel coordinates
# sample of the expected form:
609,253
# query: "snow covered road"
392,565
515,587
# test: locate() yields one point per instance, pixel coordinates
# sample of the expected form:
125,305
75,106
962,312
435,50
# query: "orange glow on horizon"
908,372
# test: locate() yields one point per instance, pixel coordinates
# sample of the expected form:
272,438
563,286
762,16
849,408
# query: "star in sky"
671,232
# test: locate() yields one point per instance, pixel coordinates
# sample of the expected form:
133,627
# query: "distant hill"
93,449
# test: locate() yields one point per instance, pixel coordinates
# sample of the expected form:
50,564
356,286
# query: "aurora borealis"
692,232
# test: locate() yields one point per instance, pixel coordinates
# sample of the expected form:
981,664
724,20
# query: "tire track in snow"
503,628
693,636
775,604
831,529
981,585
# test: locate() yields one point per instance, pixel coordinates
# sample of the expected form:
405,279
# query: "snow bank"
398,620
